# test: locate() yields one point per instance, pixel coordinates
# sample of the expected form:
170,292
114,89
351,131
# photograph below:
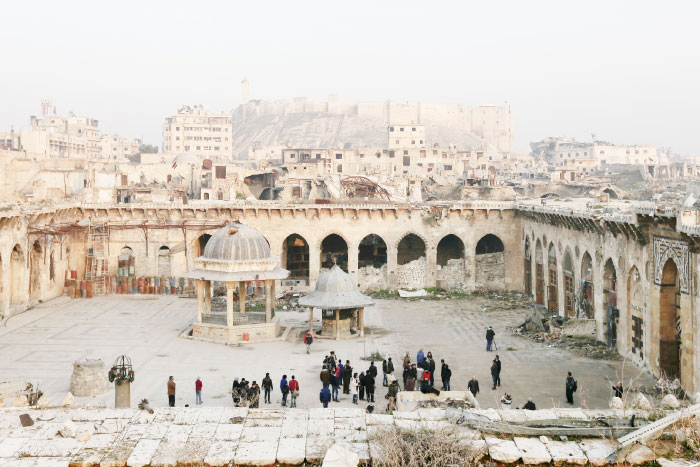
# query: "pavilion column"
311,320
207,296
361,317
241,297
229,303
272,296
200,300
337,325
268,301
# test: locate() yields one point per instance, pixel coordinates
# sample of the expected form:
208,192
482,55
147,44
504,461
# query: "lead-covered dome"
335,290
237,242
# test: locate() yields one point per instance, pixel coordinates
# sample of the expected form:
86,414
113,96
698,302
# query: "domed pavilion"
337,296
234,255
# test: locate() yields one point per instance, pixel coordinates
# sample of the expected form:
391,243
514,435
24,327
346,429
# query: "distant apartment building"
119,149
569,153
406,136
199,131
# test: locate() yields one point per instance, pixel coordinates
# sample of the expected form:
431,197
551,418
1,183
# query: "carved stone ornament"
665,248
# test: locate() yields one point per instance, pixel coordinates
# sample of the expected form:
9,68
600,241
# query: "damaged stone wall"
453,276
370,278
490,271
411,275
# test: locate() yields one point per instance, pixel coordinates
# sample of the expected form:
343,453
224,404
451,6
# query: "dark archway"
450,247
17,282
372,252
539,273
490,263
164,261
553,288
611,193
569,291
587,289
35,272
527,266
52,269
670,322
295,254
334,250
127,262
411,248
636,310
201,244
612,314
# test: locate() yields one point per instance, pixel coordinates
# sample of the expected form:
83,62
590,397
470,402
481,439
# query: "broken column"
89,378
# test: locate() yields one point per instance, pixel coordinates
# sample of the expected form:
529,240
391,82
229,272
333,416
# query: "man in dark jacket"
389,366
495,371
372,370
335,385
254,395
325,396
571,387
325,376
284,387
369,385
490,334
529,405
427,388
308,340
446,376
618,390
431,369
267,387
347,376
498,362
361,388
384,372
473,386
391,395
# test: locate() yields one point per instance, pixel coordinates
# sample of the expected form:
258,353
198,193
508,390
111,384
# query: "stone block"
432,414
350,436
155,430
228,432
143,452
348,413
204,430
533,451
57,447
119,454
321,413
378,419
210,414
320,427
188,416
194,451
167,453
291,451
220,453
597,450
274,421
360,449
260,434
640,454
316,448
10,446
566,452
354,423
503,450
256,453
178,433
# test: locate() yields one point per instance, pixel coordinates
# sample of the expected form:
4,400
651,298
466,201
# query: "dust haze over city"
204,206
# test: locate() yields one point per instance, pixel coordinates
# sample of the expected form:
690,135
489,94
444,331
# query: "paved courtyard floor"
41,345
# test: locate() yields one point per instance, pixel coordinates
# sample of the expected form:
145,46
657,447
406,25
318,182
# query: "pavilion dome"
237,242
335,290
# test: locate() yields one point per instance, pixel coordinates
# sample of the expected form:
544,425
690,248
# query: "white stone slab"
204,430
350,436
256,453
143,417
350,423
143,452
296,414
546,414
100,441
294,428
57,447
210,414
477,447
533,451
194,451
597,450
639,455
291,451
165,414
504,451
315,413
167,453
265,413
347,413
135,432
412,425
566,452
187,416
316,448
10,446
274,421
513,416
432,414
361,449
228,432
178,433
221,453
320,427
156,430
260,434
406,415
379,419
575,413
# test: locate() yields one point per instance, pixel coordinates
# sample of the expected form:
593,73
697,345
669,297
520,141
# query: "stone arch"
636,313
490,263
164,261
127,262
372,252
539,273
670,330
17,267
411,270
610,310
553,287
334,250
527,266
612,193
295,257
449,247
587,289
201,243
35,271
410,248
569,284
52,268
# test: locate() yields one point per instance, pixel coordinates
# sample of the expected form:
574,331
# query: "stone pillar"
430,265
314,263
122,395
200,300
241,297
391,265
353,264
272,297
311,320
337,325
361,312
207,296
268,301
229,303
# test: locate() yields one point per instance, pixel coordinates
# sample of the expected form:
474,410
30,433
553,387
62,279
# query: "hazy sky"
627,71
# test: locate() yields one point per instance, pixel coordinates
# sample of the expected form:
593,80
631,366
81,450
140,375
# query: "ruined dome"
184,158
335,290
237,242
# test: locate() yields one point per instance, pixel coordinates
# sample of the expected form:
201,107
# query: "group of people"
245,394
335,373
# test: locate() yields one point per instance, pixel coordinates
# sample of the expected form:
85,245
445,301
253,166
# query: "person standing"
406,360
618,389
406,371
389,366
571,387
235,390
347,376
447,375
198,391
369,385
384,372
420,357
267,387
308,340
391,395
498,362
171,391
473,386
325,396
490,334
354,388
361,388
372,370
335,384
254,395
325,376
284,387
294,389
495,373
431,368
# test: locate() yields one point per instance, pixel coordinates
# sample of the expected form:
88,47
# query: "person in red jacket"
308,340
198,391
294,389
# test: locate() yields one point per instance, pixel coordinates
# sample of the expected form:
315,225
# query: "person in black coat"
369,385
372,370
498,362
529,405
446,376
347,376
490,334
495,373
406,372
618,389
473,386
571,387
361,388
427,388
431,369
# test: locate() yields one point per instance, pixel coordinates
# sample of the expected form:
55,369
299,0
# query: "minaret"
244,96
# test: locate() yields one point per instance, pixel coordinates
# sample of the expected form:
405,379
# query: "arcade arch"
334,250
163,266
553,288
449,247
587,289
569,294
295,254
670,331
16,270
490,263
539,273
372,252
612,314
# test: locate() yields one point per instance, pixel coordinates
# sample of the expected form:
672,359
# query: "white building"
199,131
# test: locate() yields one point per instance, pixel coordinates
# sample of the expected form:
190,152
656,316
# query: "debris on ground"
412,293
289,301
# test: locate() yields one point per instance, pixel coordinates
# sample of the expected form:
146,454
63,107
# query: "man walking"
325,396
490,334
267,387
473,386
198,391
171,391
308,340
284,387
294,389
391,395
354,388
571,387
495,373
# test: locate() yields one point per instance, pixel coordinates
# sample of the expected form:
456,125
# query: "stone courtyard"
41,345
